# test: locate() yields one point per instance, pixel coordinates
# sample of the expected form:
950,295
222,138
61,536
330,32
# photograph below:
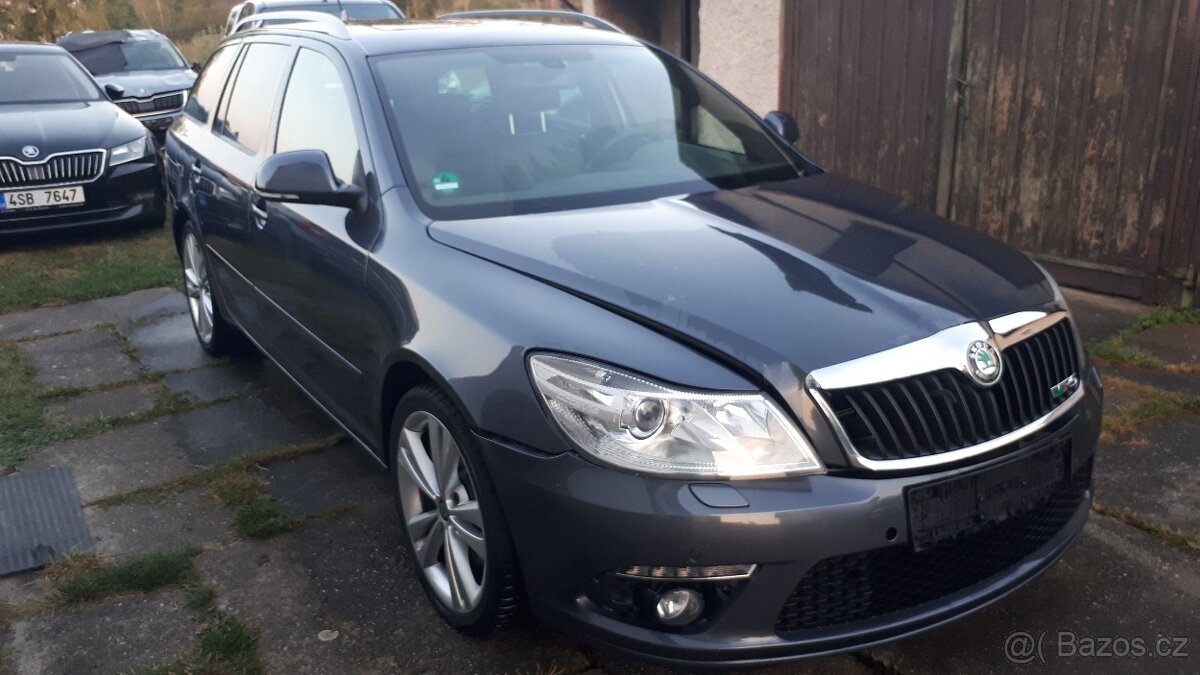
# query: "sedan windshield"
44,78
151,55
508,130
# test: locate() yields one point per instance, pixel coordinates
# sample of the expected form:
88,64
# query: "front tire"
216,335
454,529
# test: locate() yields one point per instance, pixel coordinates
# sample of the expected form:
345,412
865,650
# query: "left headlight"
128,152
631,422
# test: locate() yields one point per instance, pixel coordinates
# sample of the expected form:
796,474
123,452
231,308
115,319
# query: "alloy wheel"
199,289
441,512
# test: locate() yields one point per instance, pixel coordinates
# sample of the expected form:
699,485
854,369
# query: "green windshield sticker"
446,183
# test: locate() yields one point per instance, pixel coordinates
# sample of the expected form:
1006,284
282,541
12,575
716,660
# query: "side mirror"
114,92
196,67
784,126
305,177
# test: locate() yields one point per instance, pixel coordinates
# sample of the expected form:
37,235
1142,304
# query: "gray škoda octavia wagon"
633,361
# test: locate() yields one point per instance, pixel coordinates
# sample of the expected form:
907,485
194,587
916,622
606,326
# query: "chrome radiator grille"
63,169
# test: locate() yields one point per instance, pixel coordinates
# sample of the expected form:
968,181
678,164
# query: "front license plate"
958,506
40,199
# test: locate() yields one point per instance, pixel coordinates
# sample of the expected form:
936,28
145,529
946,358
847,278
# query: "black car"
69,157
142,70
631,358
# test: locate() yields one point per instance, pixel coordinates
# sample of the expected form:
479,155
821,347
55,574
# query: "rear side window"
248,106
207,90
317,115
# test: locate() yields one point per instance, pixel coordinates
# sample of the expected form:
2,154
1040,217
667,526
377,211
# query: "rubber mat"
40,519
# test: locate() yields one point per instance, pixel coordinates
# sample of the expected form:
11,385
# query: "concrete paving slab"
119,460
342,476
350,576
177,521
1101,316
1116,582
85,359
843,664
71,318
222,380
167,344
119,402
1173,344
1154,474
18,589
121,635
249,425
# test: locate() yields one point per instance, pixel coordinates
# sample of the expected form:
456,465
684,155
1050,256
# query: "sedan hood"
794,276
63,127
145,83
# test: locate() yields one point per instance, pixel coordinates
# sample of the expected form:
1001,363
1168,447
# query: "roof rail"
586,19
331,24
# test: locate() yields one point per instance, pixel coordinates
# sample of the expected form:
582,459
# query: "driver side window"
317,115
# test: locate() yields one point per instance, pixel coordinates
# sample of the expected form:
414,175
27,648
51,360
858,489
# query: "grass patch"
202,44
86,578
60,272
22,410
1181,540
1155,405
1114,351
256,515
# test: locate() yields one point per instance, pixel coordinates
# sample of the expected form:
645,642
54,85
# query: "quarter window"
247,110
207,90
317,114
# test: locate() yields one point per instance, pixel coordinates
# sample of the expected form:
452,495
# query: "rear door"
226,168
310,261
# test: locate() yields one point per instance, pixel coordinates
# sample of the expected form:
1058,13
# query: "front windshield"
151,55
44,78
498,131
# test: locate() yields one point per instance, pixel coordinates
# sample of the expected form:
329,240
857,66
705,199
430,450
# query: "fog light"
679,606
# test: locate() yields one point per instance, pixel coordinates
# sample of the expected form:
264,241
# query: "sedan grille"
945,410
875,583
148,106
75,167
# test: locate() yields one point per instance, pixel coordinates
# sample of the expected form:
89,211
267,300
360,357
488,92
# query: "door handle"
259,211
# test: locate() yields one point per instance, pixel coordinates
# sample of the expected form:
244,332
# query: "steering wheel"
621,146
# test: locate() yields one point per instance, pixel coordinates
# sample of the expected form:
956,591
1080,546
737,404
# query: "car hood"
790,276
64,127
144,83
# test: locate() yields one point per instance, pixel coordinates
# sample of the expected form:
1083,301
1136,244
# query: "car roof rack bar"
332,24
586,19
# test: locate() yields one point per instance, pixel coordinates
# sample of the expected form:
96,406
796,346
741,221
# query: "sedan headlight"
636,424
128,152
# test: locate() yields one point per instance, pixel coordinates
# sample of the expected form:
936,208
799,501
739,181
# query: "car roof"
276,4
393,37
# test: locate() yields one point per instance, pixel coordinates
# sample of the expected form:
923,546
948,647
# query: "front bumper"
130,195
574,521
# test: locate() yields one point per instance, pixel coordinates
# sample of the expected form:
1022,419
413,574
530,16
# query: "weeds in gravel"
85,578
1185,541
22,410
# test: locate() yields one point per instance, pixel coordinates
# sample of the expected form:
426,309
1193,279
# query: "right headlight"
631,422
129,152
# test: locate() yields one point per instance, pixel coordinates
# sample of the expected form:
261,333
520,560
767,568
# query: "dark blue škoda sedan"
633,361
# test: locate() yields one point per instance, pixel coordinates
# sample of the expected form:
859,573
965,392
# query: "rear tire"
454,529
216,335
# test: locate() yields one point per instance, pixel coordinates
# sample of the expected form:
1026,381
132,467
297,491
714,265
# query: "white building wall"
739,48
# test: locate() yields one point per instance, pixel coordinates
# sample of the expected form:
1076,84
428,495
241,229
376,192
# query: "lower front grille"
874,583
165,103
